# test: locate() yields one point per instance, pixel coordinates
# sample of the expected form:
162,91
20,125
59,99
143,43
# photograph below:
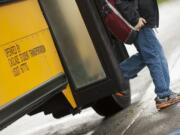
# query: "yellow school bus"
57,57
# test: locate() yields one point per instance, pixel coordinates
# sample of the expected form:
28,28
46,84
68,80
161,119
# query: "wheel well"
57,105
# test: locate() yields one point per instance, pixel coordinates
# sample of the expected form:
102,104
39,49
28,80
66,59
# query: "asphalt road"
141,118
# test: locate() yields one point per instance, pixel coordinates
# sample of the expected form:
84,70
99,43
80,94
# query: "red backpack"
116,23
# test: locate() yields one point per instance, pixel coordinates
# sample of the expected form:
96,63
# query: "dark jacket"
133,9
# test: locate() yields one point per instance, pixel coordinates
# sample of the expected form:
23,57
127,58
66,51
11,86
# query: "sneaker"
165,102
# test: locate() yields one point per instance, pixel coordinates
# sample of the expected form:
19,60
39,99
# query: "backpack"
117,24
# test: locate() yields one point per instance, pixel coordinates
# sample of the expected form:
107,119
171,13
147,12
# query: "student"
144,15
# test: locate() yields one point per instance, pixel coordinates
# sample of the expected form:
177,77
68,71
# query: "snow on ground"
47,125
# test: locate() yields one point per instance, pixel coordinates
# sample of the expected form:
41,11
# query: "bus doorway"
89,54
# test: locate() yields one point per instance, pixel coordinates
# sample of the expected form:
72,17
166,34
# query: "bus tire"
108,106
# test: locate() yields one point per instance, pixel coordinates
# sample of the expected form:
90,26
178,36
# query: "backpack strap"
113,9
113,2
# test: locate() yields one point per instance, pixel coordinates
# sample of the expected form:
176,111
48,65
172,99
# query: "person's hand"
140,24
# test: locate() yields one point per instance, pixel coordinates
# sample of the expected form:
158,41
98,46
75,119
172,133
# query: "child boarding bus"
57,57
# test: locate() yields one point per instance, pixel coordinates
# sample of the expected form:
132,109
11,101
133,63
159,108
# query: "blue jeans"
150,54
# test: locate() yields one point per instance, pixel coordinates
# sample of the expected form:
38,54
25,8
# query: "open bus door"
86,52
50,33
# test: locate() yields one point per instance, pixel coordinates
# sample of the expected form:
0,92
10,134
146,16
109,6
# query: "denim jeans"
150,54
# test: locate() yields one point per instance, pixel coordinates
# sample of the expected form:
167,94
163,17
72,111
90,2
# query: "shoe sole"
167,104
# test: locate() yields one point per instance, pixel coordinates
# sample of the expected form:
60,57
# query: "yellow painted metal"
27,53
25,64
20,19
68,94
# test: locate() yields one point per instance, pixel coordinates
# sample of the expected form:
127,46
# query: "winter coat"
133,9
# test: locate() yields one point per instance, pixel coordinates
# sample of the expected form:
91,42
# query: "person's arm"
129,10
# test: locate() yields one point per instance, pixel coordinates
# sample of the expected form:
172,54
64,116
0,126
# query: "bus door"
84,48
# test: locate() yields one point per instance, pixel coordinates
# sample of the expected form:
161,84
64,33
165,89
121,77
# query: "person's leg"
153,56
131,66
164,60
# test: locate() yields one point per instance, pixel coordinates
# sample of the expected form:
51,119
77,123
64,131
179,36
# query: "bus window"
74,42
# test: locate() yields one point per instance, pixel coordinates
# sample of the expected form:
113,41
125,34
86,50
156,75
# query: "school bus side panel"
28,56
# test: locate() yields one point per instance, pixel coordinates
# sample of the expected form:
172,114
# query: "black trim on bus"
32,100
102,45
101,39
7,1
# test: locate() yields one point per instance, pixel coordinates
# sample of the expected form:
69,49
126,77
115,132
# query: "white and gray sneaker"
162,103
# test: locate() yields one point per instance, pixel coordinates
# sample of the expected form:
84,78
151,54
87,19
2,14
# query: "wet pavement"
141,118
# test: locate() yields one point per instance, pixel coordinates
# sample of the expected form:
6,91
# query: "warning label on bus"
18,60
